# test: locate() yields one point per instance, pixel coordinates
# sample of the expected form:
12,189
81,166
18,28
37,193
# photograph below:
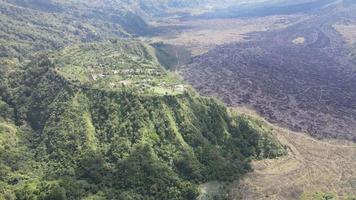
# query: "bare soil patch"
201,35
311,166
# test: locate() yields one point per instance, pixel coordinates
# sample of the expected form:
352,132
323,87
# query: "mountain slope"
38,25
86,141
31,26
87,111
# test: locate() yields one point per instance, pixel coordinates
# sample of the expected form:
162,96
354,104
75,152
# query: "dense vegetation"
87,114
36,25
61,140
31,26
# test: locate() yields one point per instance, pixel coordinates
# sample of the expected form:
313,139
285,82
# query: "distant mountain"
36,25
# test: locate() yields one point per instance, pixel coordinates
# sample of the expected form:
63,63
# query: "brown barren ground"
201,35
311,166
290,42
348,31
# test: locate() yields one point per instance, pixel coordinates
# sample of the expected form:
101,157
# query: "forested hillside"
66,141
37,25
87,112
31,26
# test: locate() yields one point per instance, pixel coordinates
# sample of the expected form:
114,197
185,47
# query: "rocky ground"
300,77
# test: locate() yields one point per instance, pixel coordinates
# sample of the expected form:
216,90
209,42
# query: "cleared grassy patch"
117,66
